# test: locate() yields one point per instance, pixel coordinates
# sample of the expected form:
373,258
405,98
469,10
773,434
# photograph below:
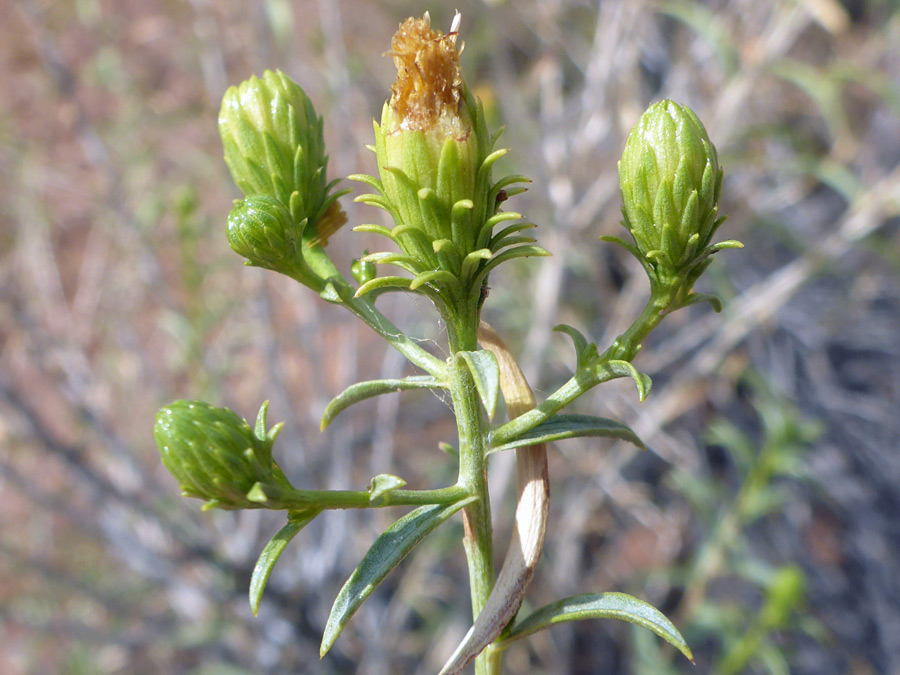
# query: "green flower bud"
274,148
261,229
434,160
216,456
273,141
671,181
362,270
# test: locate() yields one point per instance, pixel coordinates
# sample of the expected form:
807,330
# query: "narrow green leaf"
711,300
486,373
488,163
471,262
512,192
385,554
390,258
376,200
363,390
510,230
560,427
513,241
448,255
435,216
448,449
600,606
722,245
624,369
524,251
270,555
370,228
577,336
500,217
503,182
585,351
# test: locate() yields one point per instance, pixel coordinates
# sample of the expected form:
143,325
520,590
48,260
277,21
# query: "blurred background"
766,519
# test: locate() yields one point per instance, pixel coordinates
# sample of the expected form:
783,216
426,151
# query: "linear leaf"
375,229
363,390
560,427
624,369
371,181
486,373
600,606
385,554
270,555
712,300
584,351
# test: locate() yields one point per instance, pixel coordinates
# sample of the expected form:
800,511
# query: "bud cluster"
275,150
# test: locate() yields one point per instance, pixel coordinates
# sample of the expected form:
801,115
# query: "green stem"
473,434
365,310
301,500
628,344
494,658
624,348
581,382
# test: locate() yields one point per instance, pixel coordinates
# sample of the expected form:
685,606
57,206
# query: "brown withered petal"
428,75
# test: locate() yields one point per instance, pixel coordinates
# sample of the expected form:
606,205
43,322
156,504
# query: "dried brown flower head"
428,77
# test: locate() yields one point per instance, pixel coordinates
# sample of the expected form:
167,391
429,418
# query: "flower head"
434,160
428,89
216,456
671,181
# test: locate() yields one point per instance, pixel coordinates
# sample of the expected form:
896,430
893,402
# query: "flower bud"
670,180
273,140
261,229
362,270
216,456
274,147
